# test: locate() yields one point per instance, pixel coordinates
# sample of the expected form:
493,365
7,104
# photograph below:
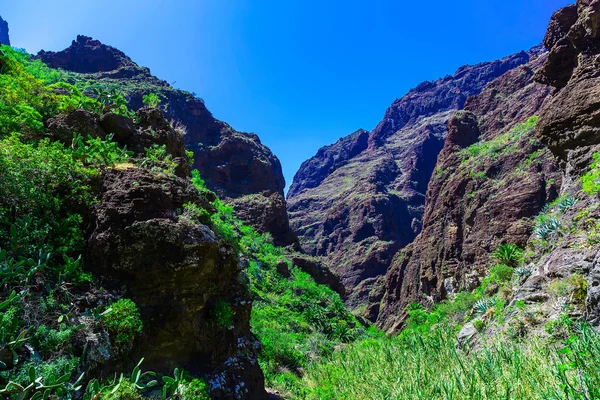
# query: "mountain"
360,200
235,165
4,38
492,178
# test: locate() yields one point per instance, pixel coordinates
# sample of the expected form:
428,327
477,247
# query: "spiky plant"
523,272
546,227
565,203
508,254
482,307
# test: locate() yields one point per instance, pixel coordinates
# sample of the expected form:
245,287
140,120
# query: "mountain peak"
87,55
4,38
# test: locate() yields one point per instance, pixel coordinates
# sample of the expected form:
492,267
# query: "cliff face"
454,247
570,126
235,165
178,271
4,38
492,177
359,201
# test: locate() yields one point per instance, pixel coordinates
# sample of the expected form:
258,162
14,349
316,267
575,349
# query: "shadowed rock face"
235,165
360,200
4,38
491,178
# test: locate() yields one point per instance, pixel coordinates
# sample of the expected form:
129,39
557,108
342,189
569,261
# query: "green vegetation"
415,365
508,254
296,319
151,100
591,180
123,322
492,148
46,188
427,361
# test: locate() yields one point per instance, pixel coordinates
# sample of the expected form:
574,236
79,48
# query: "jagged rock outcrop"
570,125
4,37
179,273
492,177
359,201
235,165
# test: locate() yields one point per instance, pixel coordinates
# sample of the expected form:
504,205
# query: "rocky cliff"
359,201
236,165
467,215
178,271
4,38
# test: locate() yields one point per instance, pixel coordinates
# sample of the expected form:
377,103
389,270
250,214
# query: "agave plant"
523,272
565,203
508,254
546,227
483,306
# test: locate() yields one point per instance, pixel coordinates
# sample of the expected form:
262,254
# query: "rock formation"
235,165
360,200
4,38
492,177
140,244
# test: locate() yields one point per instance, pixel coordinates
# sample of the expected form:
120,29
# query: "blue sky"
300,74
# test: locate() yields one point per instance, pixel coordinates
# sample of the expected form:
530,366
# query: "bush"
151,100
223,314
123,321
508,254
501,273
41,182
591,180
197,389
124,391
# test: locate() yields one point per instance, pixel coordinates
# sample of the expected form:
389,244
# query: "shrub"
508,254
479,324
151,100
223,314
97,151
41,182
501,273
123,321
591,180
124,391
197,389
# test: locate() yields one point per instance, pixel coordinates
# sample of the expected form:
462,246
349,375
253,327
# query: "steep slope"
360,200
491,179
4,38
236,165
165,281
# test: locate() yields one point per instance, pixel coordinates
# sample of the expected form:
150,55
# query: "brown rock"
360,200
177,273
478,198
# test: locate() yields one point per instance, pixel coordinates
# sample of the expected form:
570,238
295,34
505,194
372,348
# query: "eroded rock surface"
234,164
360,200
492,177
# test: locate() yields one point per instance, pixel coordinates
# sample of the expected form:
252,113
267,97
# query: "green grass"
433,366
491,148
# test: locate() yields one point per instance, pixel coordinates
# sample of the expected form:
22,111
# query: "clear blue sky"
300,74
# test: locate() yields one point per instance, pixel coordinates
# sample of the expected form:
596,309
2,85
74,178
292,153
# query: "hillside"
451,253
359,201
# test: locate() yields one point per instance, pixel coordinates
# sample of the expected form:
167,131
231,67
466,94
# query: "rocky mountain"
4,38
496,182
360,200
492,177
236,165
